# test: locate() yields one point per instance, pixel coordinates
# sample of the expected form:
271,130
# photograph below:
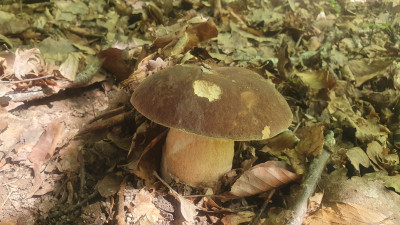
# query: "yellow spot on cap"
207,89
265,132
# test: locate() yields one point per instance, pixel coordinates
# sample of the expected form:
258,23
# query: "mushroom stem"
195,160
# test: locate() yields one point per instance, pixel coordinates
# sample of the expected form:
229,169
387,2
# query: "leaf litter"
335,62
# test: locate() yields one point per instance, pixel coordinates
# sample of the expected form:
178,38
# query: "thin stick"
74,207
107,114
105,124
82,175
163,181
121,203
8,197
310,182
26,80
256,219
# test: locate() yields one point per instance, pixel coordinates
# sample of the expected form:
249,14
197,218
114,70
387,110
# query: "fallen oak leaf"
43,151
358,157
311,140
261,178
45,147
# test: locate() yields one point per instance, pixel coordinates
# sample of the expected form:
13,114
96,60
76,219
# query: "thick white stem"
195,160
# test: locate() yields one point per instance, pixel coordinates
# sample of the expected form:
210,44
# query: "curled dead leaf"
261,178
27,61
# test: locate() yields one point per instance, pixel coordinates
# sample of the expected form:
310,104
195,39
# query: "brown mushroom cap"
220,102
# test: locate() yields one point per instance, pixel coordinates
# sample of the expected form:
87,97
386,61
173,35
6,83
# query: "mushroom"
207,109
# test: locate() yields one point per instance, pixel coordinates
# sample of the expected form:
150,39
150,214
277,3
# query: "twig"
26,80
82,175
105,124
84,201
74,207
8,195
217,8
163,181
121,203
107,114
70,189
256,219
310,182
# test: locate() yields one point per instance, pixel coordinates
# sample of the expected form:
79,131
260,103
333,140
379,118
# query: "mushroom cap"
221,102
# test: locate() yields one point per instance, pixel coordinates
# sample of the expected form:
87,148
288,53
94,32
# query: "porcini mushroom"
207,109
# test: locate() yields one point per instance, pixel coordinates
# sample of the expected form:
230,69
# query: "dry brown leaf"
313,43
43,151
70,66
366,129
109,185
115,63
149,160
368,191
144,210
201,32
358,157
69,157
297,161
261,178
27,61
365,69
37,181
45,147
3,125
316,79
188,209
347,213
186,37
277,144
381,159
45,188
311,140
356,213
142,71
393,182
238,218
314,202
7,60
310,144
